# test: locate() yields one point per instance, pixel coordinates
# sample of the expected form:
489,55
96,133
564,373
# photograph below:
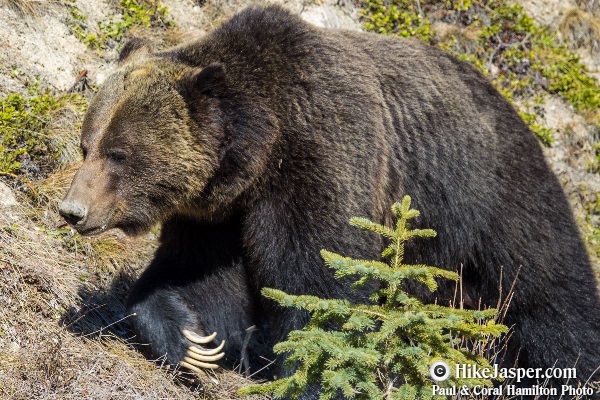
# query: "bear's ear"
210,80
135,45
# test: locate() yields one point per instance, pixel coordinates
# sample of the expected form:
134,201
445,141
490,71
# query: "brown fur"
270,134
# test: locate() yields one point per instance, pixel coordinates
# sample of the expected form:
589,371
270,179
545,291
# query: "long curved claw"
188,360
192,368
207,352
197,356
201,357
200,371
195,338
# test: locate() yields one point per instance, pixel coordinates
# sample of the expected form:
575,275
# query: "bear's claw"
195,338
192,361
204,352
198,356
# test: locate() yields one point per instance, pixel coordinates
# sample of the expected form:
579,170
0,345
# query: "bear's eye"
117,155
84,152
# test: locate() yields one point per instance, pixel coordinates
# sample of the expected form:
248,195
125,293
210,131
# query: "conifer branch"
381,350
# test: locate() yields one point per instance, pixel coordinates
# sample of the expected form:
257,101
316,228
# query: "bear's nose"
72,212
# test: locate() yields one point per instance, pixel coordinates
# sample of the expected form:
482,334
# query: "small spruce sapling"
381,350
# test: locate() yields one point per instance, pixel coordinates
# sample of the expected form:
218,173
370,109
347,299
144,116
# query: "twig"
501,45
271,362
22,180
500,290
109,325
368,312
460,281
510,294
81,83
244,363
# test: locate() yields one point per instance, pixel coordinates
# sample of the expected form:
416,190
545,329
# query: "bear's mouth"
90,231
84,228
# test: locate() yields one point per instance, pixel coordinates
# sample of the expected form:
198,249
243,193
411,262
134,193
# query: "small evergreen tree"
382,350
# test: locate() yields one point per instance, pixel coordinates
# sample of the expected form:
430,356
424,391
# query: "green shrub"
381,350
23,130
401,18
144,13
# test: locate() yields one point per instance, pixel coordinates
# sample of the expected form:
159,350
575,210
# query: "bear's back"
268,50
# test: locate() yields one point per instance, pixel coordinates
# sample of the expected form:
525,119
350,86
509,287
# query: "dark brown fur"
281,131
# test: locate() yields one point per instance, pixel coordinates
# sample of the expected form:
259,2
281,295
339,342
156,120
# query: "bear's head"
153,139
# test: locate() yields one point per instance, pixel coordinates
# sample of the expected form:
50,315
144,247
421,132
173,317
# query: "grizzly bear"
254,145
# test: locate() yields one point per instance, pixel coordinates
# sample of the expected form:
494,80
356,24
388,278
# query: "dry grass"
592,6
63,324
29,7
581,29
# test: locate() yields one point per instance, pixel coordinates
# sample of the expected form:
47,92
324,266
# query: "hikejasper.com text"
471,371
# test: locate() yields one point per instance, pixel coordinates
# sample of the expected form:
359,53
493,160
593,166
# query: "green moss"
77,24
538,60
144,13
460,5
595,164
521,57
24,121
401,18
592,241
588,220
10,229
544,134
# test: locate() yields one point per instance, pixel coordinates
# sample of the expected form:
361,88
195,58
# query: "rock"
7,198
330,16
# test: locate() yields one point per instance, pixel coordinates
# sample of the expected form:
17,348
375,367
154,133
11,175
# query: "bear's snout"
89,205
73,212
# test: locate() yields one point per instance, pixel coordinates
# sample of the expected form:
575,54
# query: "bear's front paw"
198,356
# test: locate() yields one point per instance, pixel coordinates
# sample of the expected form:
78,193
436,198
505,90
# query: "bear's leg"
196,285
161,321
